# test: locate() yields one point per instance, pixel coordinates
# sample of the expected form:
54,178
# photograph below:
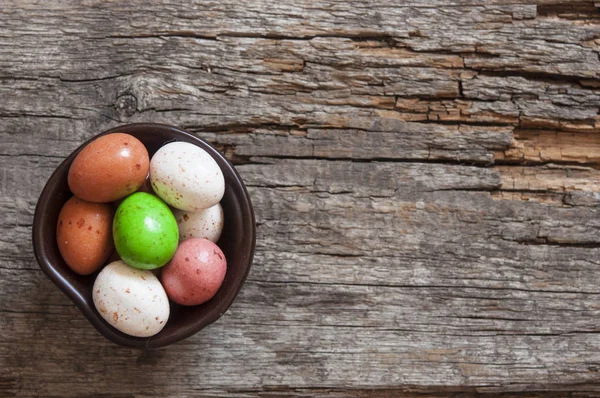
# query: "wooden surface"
425,175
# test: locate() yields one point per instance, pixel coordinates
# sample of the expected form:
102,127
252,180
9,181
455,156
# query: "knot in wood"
126,105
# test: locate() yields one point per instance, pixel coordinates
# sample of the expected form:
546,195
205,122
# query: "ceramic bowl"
237,242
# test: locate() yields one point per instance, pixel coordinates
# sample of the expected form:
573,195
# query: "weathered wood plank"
425,177
321,355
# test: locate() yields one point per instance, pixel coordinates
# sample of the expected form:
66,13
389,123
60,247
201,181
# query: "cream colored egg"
186,177
131,300
207,223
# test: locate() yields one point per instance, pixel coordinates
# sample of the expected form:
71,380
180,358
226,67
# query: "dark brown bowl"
237,242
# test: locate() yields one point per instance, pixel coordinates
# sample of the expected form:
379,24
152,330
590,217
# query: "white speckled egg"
186,177
131,300
207,223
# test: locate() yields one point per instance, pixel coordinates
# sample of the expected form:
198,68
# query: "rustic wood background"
425,174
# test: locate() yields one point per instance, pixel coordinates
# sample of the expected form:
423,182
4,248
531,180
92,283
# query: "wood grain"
425,175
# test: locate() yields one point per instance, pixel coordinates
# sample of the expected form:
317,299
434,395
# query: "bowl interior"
237,242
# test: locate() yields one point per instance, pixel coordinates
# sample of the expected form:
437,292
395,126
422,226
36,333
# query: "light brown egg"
109,168
84,235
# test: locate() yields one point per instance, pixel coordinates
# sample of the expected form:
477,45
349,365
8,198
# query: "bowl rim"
76,296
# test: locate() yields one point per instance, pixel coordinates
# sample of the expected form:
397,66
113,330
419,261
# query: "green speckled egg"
145,231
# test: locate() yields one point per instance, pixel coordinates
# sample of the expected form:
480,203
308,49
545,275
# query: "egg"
131,300
207,223
186,177
109,168
83,235
145,231
195,273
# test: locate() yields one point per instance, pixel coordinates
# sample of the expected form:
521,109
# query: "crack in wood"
588,10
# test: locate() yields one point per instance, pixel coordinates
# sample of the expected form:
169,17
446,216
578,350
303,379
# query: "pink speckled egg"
195,273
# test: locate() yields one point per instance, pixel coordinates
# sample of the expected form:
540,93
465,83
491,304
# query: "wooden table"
425,175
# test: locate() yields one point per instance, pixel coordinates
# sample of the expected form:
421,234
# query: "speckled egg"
131,300
109,168
195,273
186,177
83,235
206,223
145,231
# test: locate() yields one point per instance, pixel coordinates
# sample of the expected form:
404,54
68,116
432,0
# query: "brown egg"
109,168
84,234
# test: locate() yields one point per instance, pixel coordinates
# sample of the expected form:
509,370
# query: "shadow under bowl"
237,242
